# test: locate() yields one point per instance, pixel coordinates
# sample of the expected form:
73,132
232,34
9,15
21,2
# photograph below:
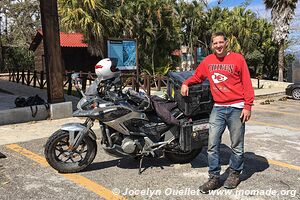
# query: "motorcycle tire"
56,149
182,157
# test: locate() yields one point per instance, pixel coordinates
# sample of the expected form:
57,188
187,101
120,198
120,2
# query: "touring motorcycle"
131,124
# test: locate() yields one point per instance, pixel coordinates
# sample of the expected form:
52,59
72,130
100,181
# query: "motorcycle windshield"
92,90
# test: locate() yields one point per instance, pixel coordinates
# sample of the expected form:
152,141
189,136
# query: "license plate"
200,127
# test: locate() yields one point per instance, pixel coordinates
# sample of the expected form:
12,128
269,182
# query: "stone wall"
269,84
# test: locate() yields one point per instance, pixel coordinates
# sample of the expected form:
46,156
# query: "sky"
258,7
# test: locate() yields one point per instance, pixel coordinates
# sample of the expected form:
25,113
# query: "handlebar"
144,101
111,90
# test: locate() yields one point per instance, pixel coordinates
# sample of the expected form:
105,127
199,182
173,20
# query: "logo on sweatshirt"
223,67
218,78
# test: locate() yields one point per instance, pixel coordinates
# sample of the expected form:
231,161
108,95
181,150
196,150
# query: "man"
232,91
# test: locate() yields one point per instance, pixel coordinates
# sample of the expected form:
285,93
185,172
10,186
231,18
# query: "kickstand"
141,162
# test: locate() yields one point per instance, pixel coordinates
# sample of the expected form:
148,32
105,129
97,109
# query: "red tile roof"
70,39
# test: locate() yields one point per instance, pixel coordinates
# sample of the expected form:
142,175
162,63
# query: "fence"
35,79
38,79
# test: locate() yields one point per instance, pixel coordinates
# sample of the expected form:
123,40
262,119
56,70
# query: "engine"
129,145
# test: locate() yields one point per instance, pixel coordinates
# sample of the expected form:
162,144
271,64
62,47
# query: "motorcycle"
131,124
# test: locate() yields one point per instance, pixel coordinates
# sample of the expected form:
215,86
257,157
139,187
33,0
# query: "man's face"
219,46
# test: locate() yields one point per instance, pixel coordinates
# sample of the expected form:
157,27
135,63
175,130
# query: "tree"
155,26
282,12
22,19
248,35
160,27
191,19
89,17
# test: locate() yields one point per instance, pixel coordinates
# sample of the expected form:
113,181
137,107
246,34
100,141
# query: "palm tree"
282,12
89,17
153,24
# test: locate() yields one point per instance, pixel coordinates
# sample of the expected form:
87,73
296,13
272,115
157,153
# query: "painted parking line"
274,125
274,111
282,164
76,178
96,188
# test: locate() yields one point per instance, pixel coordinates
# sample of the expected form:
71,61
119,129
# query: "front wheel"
182,157
62,159
296,94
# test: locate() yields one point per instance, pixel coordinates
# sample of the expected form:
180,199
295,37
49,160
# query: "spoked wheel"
296,93
61,158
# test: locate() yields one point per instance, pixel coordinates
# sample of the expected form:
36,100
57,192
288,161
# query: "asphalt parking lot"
272,167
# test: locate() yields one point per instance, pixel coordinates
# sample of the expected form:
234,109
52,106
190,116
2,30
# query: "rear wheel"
296,93
182,157
62,159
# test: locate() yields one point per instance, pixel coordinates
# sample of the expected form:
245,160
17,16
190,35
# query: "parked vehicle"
131,124
293,90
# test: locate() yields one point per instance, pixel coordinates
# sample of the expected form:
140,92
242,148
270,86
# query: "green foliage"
18,58
89,17
20,20
155,26
249,35
159,27
282,13
23,19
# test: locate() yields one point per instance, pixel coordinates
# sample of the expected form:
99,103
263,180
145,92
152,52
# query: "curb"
265,96
36,113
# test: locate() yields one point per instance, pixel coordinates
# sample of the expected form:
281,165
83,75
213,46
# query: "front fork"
105,133
77,132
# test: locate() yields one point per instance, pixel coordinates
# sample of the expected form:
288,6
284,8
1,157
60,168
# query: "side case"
194,134
199,100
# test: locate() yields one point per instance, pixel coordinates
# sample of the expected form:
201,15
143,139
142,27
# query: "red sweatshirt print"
229,79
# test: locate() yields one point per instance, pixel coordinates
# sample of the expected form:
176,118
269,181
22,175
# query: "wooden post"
133,81
23,77
148,85
53,62
69,83
28,77
159,82
18,76
90,77
84,79
137,83
145,81
34,78
42,80
13,75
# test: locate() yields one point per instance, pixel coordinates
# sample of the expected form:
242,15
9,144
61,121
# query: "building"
75,56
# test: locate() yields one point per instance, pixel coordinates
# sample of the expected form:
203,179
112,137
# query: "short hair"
216,34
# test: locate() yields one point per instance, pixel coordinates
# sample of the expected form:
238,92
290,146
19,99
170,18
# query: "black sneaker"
212,184
232,180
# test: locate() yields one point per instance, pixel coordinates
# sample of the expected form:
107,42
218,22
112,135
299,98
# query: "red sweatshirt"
229,79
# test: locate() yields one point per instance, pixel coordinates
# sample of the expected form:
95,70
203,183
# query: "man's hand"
184,90
245,115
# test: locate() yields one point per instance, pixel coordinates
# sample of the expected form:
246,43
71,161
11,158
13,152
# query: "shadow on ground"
253,163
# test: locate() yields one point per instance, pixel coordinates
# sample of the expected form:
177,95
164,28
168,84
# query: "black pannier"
199,100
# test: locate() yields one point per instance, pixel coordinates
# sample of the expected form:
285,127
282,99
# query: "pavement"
273,168
9,91
22,132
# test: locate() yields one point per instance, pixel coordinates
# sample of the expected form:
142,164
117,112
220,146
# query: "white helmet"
106,69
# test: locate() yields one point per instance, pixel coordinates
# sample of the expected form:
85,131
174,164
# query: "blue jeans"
220,117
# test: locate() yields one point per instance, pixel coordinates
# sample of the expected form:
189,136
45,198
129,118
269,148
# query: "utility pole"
53,61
